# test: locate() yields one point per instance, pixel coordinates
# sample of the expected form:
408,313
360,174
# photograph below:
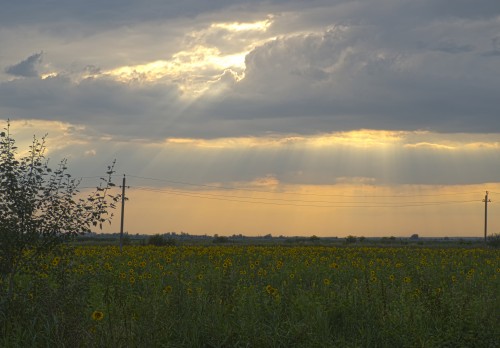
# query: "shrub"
493,240
159,240
40,208
350,239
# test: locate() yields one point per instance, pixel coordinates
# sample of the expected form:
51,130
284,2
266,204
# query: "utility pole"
486,201
123,213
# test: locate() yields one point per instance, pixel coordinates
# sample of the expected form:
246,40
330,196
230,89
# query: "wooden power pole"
486,201
123,213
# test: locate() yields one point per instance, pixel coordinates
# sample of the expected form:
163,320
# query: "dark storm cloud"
331,66
105,14
452,47
337,81
26,68
495,51
104,104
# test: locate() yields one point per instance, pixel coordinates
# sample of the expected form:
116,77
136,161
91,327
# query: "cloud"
453,47
209,70
26,68
495,51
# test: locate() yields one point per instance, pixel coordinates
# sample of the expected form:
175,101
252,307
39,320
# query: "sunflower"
56,261
97,315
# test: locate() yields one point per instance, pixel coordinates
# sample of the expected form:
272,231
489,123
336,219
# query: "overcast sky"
320,94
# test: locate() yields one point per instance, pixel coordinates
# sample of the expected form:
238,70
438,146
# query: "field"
251,296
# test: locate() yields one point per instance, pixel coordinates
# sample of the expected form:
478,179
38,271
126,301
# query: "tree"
160,240
494,240
350,239
41,207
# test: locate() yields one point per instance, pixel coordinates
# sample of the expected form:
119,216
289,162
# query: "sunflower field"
255,296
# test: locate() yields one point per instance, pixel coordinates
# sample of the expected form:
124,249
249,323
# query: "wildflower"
200,276
56,261
391,277
326,281
131,280
407,280
292,275
97,315
167,289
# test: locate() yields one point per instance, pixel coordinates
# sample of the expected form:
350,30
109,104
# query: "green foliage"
40,207
220,239
314,238
160,240
350,239
493,240
251,296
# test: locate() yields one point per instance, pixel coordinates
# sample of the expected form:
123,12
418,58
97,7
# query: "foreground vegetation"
230,296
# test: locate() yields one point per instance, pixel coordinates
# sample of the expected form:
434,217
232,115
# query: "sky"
332,118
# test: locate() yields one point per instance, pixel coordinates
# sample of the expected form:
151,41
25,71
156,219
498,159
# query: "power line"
240,199
282,199
299,193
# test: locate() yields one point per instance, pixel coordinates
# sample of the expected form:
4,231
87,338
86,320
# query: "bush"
350,239
314,238
493,240
40,208
220,239
159,240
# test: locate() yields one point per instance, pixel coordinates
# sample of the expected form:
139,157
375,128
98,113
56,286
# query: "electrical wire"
301,203
281,199
296,193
